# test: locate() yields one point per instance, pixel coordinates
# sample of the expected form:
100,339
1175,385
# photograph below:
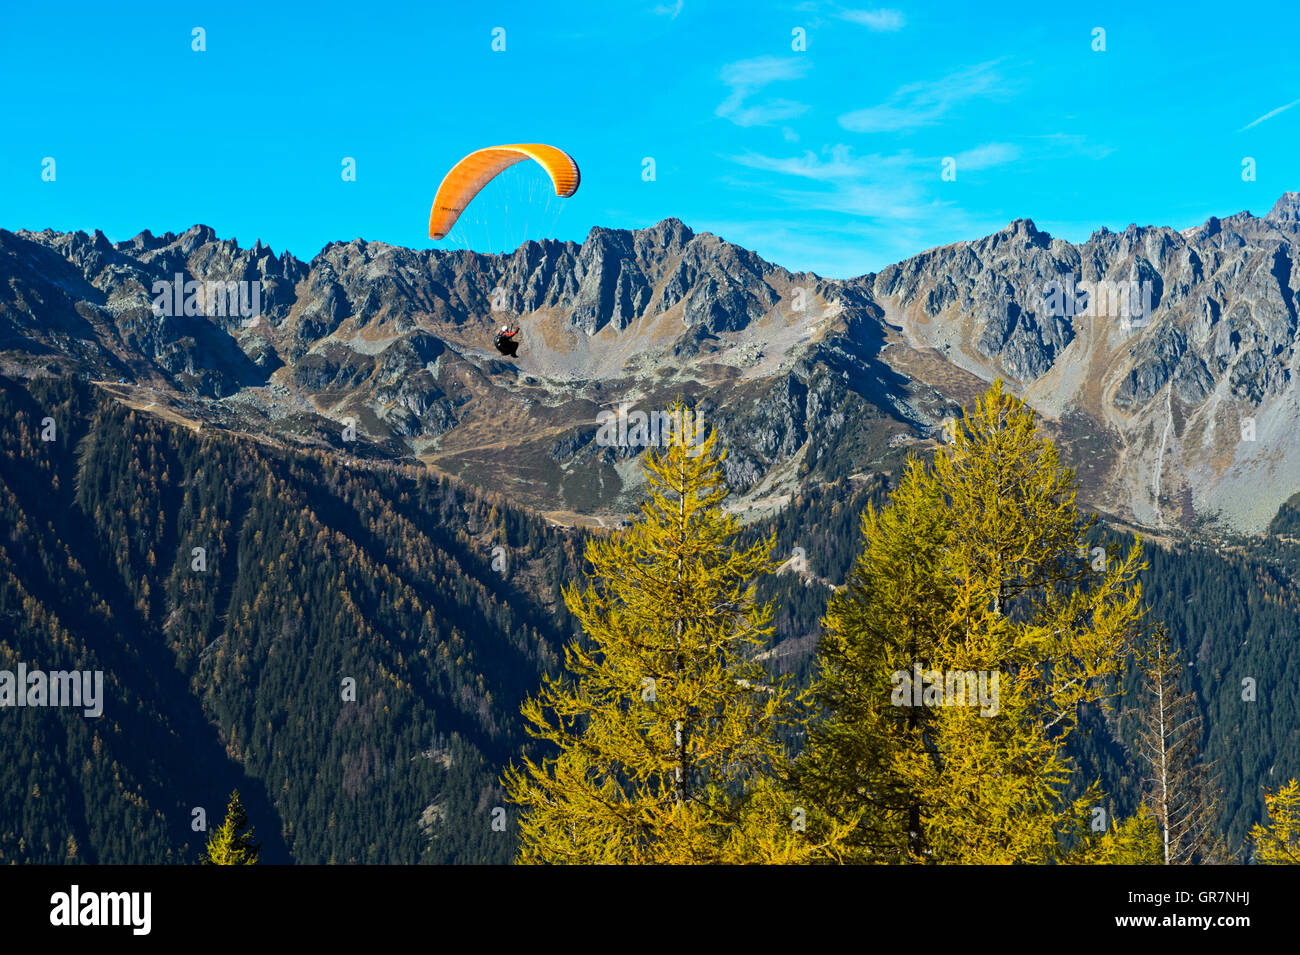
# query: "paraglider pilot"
507,341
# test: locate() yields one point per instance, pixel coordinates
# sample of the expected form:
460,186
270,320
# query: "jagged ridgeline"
1161,360
225,667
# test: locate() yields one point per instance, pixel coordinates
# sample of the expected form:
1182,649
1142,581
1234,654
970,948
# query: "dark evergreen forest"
231,666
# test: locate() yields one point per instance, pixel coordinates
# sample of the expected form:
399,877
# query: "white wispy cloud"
899,202
1269,115
986,156
836,180
824,249
835,163
849,247
1072,144
669,10
744,78
883,21
891,189
923,104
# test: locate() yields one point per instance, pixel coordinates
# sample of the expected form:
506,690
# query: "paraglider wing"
471,174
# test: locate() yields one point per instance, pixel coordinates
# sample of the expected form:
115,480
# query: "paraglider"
468,177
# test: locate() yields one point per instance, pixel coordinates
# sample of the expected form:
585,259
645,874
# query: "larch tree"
664,729
1176,784
892,607
232,843
1277,841
972,628
1132,841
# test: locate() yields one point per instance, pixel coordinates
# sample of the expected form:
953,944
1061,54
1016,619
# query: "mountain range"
380,497
1178,413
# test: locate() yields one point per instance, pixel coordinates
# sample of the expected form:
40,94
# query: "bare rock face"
1286,209
1208,342
1150,352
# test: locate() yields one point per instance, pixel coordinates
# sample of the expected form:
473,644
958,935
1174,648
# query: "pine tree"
666,727
972,570
231,844
1176,786
1278,841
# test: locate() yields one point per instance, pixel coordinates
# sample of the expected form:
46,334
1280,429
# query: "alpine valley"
231,503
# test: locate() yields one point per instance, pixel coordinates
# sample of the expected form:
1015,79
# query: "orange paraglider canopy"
471,174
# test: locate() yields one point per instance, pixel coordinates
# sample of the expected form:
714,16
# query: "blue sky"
826,159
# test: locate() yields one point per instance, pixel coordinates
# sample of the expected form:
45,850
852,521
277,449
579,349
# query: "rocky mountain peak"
195,236
144,242
1286,209
1019,232
670,233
